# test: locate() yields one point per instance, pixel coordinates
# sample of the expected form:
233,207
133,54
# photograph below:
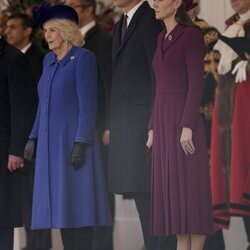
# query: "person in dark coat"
69,190
99,41
181,195
17,111
134,41
19,33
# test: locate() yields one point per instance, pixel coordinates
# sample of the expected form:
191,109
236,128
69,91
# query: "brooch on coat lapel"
170,37
72,57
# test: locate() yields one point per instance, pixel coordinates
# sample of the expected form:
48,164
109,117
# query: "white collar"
131,13
87,27
245,16
25,49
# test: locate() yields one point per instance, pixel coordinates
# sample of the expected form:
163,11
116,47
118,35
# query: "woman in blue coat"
69,190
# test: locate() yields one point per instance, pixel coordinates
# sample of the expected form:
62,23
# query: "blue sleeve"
86,84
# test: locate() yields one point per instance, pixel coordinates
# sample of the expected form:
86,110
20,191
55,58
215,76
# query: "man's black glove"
29,149
78,155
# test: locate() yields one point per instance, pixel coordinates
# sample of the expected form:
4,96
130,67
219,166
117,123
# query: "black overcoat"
131,100
16,117
35,56
99,41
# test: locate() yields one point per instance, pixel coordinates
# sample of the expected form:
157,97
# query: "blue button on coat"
63,197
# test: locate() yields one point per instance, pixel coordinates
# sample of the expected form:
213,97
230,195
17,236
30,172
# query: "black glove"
29,149
78,155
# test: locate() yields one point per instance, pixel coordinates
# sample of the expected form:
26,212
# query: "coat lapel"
116,38
172,37
91,32
30,51
118,44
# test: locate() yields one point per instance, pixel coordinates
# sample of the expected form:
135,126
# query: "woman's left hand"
186,141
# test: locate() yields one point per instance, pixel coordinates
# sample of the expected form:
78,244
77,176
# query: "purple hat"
47,11
189,4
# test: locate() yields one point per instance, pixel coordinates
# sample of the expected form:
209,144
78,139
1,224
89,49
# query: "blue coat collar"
69,56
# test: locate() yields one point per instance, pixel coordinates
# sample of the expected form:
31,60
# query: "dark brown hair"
182,17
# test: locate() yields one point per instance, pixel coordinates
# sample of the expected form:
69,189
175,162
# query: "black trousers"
215,241
6,239
102,238
76,238
246,221
142,202
36,239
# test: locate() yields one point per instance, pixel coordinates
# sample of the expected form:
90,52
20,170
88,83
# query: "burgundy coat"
181,196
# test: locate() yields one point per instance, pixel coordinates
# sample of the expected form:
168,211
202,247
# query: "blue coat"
63,197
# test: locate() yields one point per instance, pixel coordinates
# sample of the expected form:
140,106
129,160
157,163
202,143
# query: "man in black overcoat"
17,93
19,33
99,41
134,43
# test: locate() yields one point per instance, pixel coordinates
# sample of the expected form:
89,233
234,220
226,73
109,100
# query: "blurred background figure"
3,20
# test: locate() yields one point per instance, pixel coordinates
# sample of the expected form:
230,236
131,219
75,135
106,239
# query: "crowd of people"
151,103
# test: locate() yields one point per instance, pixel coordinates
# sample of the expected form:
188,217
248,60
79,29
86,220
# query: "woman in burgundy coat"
181,199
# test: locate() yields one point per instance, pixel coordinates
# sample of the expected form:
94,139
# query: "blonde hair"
69,31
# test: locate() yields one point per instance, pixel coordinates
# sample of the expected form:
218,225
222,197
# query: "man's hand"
106,137
15,162
150,139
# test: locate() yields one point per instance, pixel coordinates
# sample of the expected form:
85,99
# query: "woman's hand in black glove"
78,155
29,149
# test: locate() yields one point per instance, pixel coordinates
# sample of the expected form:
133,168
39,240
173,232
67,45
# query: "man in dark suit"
98,41
19,33
17,112
134,42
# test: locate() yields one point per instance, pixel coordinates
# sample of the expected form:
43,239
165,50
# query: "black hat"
241,45
47,11
189,4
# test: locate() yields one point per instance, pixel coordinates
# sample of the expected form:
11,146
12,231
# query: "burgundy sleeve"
194,58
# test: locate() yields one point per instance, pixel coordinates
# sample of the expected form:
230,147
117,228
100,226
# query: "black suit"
35,56
99,41
36,239
17,93
131,101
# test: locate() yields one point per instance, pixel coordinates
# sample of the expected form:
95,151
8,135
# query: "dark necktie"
124,26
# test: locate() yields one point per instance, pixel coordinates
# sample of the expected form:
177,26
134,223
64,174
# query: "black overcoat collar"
118,44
